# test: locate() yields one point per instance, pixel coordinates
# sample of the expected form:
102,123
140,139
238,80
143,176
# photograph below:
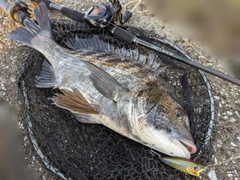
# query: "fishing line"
225,161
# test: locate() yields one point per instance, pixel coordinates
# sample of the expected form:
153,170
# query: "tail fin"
31,29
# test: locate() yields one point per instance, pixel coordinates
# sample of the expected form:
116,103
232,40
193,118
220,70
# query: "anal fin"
86,118
74,102
46,78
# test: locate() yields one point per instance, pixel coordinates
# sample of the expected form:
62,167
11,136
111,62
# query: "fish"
187,166
101,88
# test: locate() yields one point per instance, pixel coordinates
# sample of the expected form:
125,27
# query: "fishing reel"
104,14
17,11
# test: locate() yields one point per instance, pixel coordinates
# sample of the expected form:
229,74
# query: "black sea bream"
99,87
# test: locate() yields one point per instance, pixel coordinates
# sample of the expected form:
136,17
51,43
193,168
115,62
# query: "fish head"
164,125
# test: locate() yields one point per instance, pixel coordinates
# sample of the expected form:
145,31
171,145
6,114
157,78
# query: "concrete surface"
225,162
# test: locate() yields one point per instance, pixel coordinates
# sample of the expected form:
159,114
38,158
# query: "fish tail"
33,33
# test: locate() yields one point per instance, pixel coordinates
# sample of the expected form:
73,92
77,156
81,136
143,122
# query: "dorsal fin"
93,44
98,47
74,102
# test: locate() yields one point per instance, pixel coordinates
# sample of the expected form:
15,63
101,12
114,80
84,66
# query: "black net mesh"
74,150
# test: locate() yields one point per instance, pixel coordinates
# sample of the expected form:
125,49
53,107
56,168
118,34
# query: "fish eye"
179,114
195,168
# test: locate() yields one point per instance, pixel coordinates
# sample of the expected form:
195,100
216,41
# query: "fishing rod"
105,15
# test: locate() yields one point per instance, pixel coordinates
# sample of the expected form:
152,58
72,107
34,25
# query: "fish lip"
190,147
187,145
187,153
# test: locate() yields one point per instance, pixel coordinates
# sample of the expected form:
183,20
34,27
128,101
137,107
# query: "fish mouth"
190,147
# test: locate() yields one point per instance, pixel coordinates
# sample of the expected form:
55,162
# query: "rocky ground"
226,159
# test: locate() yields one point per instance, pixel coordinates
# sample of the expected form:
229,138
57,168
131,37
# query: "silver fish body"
125,96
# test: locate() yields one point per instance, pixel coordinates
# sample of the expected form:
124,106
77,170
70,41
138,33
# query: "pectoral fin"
104,82
74,102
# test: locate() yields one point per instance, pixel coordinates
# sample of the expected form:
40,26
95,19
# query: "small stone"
237,114
212,175
229,113
232,119
232,144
